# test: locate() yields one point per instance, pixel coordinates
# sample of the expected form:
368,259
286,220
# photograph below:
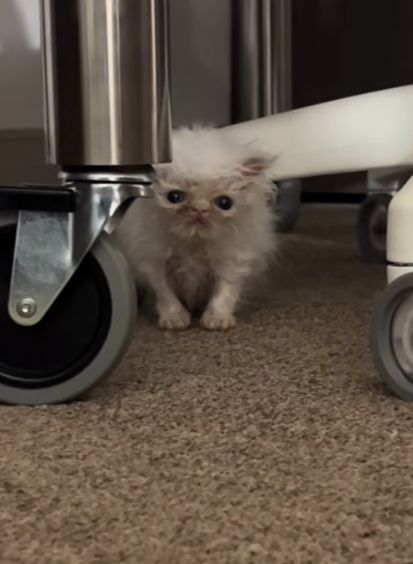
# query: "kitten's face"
200,207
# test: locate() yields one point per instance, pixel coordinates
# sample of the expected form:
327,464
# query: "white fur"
194,253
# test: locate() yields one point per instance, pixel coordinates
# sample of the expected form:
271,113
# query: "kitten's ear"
256,165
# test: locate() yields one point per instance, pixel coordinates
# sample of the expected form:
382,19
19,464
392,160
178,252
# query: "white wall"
20,65
200,62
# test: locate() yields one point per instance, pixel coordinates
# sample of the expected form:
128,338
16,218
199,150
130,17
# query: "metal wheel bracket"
388,180
50,245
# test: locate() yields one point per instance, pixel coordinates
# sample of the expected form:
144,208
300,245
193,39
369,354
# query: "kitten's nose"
200,207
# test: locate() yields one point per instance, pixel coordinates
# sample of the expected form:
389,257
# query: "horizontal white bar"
358,133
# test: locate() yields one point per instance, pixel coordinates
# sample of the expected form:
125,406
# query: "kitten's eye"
176,196
224,202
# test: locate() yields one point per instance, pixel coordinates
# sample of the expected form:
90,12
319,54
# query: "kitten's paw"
176,320
215,321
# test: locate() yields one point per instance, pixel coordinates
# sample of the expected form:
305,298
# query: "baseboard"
349,183
332,198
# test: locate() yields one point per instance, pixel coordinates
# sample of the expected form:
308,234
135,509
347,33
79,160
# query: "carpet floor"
273,443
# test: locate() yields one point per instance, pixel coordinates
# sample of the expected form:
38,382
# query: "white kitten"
208,230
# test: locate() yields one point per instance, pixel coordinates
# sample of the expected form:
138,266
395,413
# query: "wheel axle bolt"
26,307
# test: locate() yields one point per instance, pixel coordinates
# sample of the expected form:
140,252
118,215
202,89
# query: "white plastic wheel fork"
400,233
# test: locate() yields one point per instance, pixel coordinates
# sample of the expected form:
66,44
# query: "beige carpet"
273,443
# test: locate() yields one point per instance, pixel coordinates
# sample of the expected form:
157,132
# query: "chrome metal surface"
261,62
106,82
279,97
141,175
50,246
402,334
246,75
26,307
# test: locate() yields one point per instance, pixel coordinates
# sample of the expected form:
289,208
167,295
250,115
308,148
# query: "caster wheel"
392,336
372,228
288,204
79,341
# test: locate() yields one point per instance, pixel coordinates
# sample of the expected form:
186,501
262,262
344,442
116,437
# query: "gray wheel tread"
123,295
381,345
369,252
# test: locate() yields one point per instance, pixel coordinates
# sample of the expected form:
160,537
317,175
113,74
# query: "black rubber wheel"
81,338
392,336
287,202
372,228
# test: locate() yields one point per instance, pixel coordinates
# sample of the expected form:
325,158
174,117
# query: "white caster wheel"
82,337
372,227
392,336
288,201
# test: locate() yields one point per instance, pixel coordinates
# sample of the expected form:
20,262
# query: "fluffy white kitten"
208,230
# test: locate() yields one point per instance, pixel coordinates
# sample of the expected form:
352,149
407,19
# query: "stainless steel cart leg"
262,77
68,306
